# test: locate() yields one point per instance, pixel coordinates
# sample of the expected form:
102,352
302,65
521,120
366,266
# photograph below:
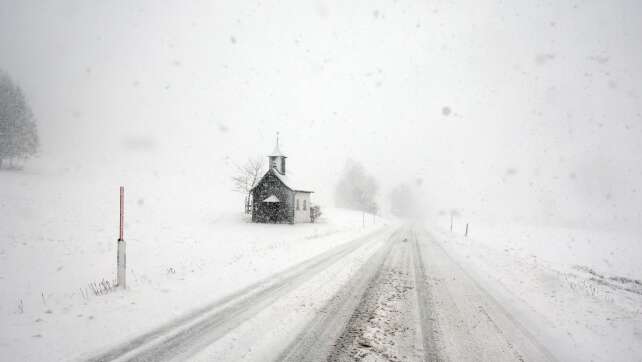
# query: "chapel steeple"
277,159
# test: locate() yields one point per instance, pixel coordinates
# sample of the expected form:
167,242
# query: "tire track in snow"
374,316
474,325
387,324
429,332
321,334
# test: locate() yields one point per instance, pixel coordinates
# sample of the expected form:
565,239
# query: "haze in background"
515,110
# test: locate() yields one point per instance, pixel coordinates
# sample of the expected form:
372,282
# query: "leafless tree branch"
247,175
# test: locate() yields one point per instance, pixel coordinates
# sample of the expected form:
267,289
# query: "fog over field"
518,109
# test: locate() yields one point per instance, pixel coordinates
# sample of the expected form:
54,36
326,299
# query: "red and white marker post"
121,257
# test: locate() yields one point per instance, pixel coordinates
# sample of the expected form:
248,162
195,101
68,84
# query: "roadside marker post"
121,261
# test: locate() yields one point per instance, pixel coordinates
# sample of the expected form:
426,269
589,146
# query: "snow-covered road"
412,302
392,295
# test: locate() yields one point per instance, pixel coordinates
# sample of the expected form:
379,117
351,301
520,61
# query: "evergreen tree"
18,130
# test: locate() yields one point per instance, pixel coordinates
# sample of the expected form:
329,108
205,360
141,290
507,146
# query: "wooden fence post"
121,258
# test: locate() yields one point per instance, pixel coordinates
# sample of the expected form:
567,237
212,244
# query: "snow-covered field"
185,247
577,291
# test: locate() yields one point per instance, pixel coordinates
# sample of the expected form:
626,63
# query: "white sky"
545,95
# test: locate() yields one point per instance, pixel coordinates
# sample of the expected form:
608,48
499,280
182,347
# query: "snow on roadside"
575,290
185,248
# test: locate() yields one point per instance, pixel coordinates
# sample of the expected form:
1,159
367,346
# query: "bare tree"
356,189
246,177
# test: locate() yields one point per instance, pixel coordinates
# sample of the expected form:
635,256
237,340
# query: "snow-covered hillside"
185,247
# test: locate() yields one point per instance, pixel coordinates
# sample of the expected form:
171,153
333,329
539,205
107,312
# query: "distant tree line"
18,131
